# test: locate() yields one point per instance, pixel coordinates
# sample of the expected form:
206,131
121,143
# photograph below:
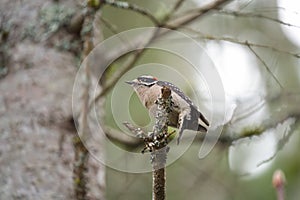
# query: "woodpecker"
184,114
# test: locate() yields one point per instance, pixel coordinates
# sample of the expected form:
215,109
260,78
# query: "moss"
77,181
94,3
251,131
172,132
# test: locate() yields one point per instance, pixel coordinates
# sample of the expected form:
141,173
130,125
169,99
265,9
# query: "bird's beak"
130,82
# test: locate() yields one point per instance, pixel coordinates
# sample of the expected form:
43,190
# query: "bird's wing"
186,98
176,90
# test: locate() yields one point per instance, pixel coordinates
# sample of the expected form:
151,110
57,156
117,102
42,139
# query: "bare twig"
114,79
109,26
122,138
177,6
254,15
236,41
251,110
281,142
127,66
149,141
175,24
178,23
266,66
246,15
277,118
130,6
114,30
270,123
173,10
190,17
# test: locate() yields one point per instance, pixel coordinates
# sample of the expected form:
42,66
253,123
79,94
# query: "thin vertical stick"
156,142
159,155
159,174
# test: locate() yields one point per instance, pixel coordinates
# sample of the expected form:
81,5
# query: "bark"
36,124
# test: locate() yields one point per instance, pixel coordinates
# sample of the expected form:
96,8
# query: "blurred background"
237,60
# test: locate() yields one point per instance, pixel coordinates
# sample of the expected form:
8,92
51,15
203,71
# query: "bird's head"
142,85
143,81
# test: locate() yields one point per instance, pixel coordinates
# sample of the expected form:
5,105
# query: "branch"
120,137
159,155
178,23
159,138
114,30
109,26
115,77
159,175
173,10
236,41
176,7
156,142
190,17
253,15
132,7
266,66
281,143
127,66
279,117
228,138
175,24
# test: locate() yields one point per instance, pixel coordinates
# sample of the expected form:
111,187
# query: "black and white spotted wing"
194,110
175,89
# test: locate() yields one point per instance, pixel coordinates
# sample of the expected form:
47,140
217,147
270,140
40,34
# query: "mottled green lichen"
54,17
50,20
